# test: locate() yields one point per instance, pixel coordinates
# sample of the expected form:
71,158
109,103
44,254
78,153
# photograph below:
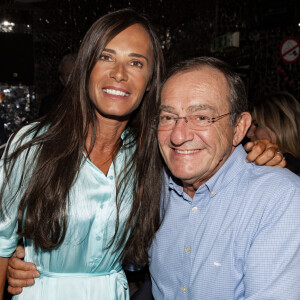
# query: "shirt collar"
230,169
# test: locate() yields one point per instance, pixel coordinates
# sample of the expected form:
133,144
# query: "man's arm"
3,269
19,273
271,268
263,152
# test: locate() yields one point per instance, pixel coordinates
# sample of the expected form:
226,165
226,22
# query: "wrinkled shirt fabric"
238,238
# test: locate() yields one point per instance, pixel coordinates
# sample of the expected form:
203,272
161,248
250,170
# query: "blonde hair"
280,112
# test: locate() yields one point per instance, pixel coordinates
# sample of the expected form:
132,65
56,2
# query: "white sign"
290,50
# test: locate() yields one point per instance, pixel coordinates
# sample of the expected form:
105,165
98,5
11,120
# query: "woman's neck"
107,141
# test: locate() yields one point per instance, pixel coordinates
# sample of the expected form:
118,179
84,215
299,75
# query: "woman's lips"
115,91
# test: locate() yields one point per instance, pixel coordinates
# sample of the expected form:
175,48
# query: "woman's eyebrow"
138,55
130,54
109,50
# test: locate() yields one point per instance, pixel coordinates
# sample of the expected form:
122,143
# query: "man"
230,229
169,124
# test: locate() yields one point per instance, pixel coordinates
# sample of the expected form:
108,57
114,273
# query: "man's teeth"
185,151
115,92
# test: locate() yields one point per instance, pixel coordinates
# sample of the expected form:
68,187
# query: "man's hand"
263,152
20,273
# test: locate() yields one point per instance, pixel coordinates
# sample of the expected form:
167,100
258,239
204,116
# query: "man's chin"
185,177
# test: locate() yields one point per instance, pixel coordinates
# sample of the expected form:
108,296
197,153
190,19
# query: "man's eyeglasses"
197,122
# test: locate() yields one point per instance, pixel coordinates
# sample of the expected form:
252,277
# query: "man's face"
192,155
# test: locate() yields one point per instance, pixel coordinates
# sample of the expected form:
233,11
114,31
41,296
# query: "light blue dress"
81,268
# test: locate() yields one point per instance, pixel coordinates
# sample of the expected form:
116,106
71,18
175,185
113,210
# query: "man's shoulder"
273,174
271,180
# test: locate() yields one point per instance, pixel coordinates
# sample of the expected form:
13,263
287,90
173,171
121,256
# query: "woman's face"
256,132
121,76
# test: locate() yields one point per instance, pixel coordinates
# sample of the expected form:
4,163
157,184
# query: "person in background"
277,118
64,71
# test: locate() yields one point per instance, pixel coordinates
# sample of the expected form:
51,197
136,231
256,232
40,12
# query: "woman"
72,184
277,118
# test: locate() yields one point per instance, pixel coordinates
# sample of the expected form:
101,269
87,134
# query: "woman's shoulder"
28,132
23,136
27,129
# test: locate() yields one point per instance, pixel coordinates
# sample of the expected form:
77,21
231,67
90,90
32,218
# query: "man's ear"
241,127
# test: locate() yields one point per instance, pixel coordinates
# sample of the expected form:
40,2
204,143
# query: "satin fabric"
81,268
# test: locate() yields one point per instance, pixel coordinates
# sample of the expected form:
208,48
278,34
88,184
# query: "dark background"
186,29
46,30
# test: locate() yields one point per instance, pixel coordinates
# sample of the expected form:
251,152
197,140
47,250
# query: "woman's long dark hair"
59,150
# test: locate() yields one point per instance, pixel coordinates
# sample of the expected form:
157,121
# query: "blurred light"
6,23
7,26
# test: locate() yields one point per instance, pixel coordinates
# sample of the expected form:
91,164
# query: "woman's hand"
20,273
263,152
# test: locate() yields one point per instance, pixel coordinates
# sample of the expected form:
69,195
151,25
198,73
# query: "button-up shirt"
237,238
82,267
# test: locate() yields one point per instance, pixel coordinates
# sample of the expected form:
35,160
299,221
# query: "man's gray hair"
237,93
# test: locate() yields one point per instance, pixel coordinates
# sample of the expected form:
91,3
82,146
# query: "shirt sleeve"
272,268
11,199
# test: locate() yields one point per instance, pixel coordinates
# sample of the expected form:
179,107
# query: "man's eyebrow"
130,54
195,108
167,108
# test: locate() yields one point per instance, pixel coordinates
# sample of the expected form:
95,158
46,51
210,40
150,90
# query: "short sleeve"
11,199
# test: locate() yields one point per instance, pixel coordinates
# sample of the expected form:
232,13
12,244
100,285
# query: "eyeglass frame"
186,118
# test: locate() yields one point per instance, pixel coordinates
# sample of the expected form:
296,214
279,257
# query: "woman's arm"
3,269
263,152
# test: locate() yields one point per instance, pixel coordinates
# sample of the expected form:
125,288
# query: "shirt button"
187,249
194,209
212,192
184,289
111,177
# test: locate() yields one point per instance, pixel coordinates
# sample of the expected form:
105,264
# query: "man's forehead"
195,90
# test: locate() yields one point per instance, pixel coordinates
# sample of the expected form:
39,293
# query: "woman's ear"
241,127
148,87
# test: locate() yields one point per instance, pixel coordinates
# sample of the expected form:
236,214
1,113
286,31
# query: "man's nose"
181,132
119,72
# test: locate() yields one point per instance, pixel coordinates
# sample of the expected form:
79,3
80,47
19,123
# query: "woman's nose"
119,72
